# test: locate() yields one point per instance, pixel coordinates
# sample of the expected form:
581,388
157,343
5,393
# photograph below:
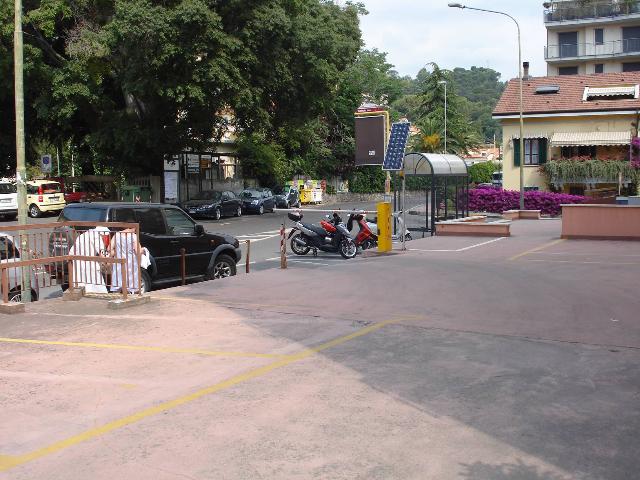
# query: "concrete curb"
132,301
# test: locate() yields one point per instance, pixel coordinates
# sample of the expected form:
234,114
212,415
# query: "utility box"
135,193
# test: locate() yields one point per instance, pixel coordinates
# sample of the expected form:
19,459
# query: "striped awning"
614,91
577,139
516,136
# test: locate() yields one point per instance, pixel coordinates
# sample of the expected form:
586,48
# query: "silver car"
10,253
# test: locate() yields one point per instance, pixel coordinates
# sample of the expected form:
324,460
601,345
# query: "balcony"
579,11
584,51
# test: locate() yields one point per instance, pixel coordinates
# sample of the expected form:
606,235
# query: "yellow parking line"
537,249
8,462
143,348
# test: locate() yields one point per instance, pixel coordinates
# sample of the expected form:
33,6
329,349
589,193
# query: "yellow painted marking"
537,249
224,304
7,463
142,348
128,386
579,262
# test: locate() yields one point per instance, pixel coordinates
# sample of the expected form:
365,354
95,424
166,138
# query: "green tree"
461,134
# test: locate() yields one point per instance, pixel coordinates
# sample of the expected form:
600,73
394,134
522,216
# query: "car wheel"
34,211
145,285
224,266
261,210
239,212
16,296
218,214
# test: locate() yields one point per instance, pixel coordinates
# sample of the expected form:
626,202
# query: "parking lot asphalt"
463,358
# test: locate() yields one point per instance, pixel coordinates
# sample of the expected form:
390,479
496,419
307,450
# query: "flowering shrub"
635,152
498,201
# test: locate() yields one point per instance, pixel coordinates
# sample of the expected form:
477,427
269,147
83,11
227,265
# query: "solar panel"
394,155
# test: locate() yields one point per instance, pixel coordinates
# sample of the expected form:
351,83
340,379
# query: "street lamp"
444,82
459,5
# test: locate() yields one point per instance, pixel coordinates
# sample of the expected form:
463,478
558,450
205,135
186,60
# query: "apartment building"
592,36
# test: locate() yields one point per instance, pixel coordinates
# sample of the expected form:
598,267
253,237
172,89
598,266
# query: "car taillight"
40,198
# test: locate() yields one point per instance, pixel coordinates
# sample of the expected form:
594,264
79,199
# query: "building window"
568,71
532,151
535,151
631,67
582,151
599,68
599,34
630,39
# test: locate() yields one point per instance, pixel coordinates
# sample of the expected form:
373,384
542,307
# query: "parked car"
496,179
257,200
44,196
71,196
164,231
288,197
212,204
10,253
8,201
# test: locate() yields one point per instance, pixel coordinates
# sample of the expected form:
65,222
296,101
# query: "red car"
69,195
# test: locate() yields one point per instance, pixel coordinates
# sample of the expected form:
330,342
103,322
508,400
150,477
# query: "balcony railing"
592,50
564,11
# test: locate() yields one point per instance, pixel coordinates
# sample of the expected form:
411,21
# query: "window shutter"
516,152
543,150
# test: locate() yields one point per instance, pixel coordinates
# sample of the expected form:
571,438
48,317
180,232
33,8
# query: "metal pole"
458,5
248,256
445,117
21,168
404,207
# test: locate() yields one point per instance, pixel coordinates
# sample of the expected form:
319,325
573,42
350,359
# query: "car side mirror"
199,229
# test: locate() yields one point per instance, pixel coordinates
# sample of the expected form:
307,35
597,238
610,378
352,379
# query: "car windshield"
7,188
7,249
83,215
251,194
51,188
207,195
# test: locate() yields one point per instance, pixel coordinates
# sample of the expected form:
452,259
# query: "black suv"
164,230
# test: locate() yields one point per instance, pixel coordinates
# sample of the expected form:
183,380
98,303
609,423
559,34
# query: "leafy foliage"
482,172
580,171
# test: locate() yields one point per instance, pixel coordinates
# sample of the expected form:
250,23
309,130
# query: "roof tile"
569,98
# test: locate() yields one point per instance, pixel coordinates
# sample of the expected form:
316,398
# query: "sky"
416,32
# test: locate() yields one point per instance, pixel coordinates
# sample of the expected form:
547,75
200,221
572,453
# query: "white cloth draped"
125,247
87,274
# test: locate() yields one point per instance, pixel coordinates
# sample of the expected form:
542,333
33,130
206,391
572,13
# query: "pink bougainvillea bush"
498,201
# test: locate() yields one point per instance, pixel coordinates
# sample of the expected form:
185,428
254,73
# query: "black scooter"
331,236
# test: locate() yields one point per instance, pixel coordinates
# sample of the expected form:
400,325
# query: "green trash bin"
135,193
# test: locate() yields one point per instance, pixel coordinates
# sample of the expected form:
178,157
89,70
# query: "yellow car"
44,196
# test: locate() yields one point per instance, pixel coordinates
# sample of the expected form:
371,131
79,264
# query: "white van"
8,201
44,196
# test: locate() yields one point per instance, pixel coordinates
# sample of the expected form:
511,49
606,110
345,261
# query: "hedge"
497,201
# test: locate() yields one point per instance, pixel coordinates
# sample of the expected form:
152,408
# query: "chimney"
525,72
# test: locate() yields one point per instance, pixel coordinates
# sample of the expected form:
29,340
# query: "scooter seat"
315,228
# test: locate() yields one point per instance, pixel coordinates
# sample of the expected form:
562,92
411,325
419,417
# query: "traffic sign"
45,163
394,157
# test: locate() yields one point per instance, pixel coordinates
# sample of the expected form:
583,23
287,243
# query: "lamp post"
21,170
459,5
444,82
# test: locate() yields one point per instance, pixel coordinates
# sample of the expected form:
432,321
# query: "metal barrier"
102,257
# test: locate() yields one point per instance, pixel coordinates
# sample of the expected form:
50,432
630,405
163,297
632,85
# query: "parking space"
380,370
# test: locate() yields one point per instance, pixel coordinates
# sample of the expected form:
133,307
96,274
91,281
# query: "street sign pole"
21,169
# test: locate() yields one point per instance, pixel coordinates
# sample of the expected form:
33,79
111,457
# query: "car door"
184,234
227,206
269,200
153,236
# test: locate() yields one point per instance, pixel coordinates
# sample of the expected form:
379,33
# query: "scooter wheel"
348,248
296,248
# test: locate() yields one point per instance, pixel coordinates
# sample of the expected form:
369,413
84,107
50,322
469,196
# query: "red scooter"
365,238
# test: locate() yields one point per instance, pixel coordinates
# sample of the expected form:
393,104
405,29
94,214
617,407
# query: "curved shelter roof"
437,164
